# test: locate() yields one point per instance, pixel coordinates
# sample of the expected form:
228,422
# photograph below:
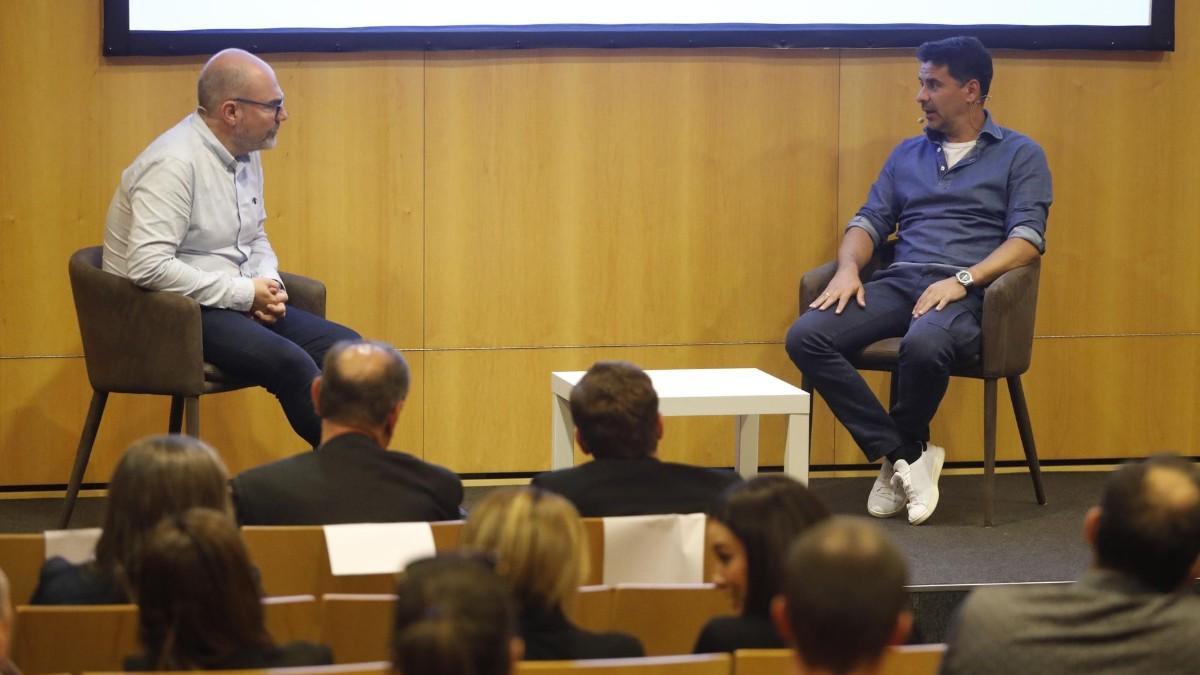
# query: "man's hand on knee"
270,301
840,290
938,295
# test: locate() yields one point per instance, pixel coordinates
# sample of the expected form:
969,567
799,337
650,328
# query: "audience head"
843,599
965,59
1148,522
454,616
362,387
158,476
6,616
749,530
615,409
538,541
198,598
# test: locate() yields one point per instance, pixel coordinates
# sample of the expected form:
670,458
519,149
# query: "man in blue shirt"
967,201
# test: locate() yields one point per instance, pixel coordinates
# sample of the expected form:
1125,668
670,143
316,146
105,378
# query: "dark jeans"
284,357
819,343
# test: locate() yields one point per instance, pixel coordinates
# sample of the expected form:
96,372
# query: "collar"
214,145
990,128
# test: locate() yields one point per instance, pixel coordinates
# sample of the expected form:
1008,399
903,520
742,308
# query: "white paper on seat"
77,546
654,549
377,548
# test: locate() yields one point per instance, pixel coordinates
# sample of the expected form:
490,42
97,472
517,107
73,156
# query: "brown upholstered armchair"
146,342
1009,306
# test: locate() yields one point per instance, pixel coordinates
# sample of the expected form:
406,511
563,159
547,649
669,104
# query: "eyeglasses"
277,106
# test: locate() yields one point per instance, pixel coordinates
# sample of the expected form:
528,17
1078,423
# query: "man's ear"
658,427
315,392
779,617
516,649
1091,526
902,629
579,440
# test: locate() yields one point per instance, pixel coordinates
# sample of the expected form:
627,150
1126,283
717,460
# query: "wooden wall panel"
624,198
489,410
43,403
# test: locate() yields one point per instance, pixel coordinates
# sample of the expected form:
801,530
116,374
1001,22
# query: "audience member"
199,603
454,616
157,476
6,625
749,531
615,409
843,601
538,540
352,477
1132,612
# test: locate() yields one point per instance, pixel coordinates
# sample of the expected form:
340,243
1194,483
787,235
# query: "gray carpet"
1027,543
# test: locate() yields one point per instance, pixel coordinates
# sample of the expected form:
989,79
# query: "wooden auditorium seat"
375,668
702,664
21,558
591,608
905,660
667,618
357,627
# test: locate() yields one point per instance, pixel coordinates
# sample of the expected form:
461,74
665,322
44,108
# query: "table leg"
745,445
563,454
796,450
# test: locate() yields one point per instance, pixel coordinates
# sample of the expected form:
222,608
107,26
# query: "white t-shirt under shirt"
955,151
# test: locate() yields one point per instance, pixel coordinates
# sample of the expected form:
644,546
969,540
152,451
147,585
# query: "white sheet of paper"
654,549
377,548
77,546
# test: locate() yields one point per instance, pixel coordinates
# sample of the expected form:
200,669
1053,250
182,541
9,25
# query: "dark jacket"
731,633
550,636
350,479
62,583
291,654
637,487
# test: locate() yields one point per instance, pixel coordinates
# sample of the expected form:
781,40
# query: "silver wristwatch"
964,277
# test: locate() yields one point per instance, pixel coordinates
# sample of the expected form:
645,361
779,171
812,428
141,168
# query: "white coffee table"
744,393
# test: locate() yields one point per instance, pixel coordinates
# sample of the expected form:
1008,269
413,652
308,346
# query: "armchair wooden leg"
1021,411
87,438
175,422
989,449
192,415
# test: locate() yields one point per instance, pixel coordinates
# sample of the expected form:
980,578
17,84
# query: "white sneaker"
885,501
919,482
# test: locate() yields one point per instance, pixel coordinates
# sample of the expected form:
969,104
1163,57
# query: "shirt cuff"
864,224
1030,235
241,295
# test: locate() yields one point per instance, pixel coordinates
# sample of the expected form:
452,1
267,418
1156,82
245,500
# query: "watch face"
964,277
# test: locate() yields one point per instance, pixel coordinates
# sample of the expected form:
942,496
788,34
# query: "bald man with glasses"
188,218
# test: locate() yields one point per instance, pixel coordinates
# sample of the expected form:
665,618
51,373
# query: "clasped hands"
270,301
843,287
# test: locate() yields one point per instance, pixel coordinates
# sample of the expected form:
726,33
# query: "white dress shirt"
188,218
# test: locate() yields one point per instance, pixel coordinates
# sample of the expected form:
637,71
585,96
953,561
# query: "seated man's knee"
805,341
932,349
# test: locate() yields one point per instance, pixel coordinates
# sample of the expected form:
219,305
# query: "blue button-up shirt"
957,216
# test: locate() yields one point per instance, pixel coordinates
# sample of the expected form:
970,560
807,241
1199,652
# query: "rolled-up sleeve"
1029,197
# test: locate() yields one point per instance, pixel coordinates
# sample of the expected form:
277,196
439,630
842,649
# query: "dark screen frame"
120,41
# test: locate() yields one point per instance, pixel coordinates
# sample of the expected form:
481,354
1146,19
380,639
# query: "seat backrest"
1009,312
374,668
667,618
293,617
293,560
591,608
135,341
700,664
74,638
594,531
357,627
21,558
905,660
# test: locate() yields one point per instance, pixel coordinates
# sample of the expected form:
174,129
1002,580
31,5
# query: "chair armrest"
305,293
1009,310
136,341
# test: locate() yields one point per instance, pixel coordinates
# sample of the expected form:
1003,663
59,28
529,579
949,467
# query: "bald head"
362,382
1148,522
233,73
843,598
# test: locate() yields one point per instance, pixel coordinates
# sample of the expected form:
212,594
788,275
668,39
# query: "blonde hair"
538,541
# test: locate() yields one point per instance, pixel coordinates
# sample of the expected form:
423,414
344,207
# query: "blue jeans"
820,342
284,357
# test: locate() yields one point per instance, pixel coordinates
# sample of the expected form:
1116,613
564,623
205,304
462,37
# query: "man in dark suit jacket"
615,409
351,477
1133,612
